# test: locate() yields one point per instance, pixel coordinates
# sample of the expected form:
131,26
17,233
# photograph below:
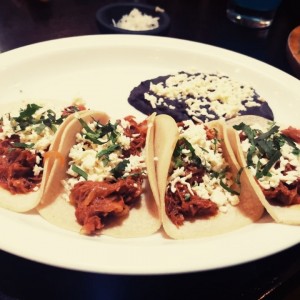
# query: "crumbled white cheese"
84,152
222,95
209,151
178,176
40,139
137,21
210,154
37,170
32,135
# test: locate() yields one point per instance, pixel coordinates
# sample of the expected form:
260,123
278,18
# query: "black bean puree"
137,100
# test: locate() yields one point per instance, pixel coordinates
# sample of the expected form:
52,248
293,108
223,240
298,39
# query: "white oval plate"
102,70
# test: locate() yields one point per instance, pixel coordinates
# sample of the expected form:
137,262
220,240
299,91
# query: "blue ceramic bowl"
116,11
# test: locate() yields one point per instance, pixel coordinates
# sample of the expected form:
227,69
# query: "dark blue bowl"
116,11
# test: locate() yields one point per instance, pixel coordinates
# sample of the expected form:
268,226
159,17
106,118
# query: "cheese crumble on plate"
198,96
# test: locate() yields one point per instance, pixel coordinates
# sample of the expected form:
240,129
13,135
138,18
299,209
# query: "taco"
270,154
202,188
106,182
27,132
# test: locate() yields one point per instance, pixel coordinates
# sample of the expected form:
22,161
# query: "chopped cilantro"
268,134
269,164
221,175
227,188
108,130
195,158
47,119
296,151
177,155
204,150
80,172
117,171
39,129
238,176
187,197
216,140
278,141
266,147
250,154
214,174
23,145
25,117
104,154
288,140
267,144
247,130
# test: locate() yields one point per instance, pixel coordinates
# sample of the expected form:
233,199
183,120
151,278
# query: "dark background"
24,22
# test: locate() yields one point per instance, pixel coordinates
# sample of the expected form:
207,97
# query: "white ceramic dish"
102,70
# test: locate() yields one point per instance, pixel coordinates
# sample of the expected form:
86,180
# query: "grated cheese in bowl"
137,21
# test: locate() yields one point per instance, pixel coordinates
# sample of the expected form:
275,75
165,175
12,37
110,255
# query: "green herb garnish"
266,135
194,158
108,130
118,170
296,152
221,175
238,176
268,145
23,145
187,197
215,140
247,130
178,162
80,172
25,117
104,154
268,166
250,154
47,119
227,188
289,141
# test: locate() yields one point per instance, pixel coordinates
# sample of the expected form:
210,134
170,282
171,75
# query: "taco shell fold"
28,201
143,218
280,214
246,212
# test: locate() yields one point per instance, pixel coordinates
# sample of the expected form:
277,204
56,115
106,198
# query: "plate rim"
81,42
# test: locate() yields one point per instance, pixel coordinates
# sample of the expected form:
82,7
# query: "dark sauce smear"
137,100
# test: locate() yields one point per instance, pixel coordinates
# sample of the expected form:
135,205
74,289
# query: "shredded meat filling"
284,194
182,205
71,110
96,202
17,163
137,132
179,207
292,133
16,168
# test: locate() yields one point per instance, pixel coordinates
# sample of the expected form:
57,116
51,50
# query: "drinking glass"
252,13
